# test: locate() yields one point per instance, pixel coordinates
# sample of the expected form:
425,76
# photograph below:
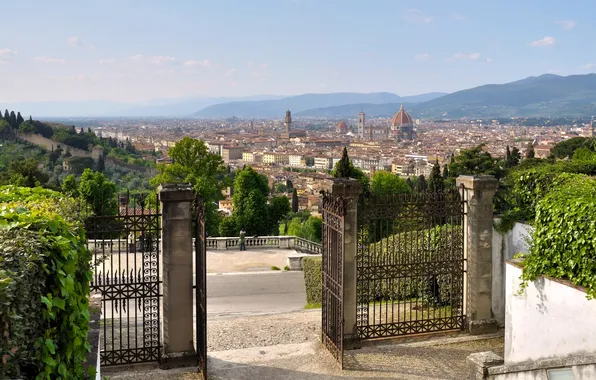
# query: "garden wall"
505,246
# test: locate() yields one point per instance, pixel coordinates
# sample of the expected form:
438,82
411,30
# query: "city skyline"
135,51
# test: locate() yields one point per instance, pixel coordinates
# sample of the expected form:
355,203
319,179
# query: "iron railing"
125,244
410,263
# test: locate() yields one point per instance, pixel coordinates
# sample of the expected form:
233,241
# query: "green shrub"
436,244
565,235
312,279
44,286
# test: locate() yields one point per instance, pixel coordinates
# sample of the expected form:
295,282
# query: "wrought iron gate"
334,211
410,263
201,286
126,262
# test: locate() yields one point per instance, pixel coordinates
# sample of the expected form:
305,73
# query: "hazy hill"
277,108
543,96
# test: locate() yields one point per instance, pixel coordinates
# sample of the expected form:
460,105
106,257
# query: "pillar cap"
343,187
176,192
478,182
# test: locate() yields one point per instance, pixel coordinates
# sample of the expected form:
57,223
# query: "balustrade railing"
223,243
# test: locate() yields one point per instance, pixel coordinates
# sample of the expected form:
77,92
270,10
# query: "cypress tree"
435,182
13,120
101,165
7,116
445,171
19,119
410,183
530,151
30,119
507,154
294,201
421,184
343,170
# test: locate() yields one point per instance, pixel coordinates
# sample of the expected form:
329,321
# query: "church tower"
288,122
361,120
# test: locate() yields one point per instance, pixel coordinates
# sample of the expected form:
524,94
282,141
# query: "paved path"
246,261
255,293
442,359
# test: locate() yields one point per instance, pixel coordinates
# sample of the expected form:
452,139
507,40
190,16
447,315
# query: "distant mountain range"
543,96
303,104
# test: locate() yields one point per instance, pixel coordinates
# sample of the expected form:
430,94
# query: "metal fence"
410,263
126,260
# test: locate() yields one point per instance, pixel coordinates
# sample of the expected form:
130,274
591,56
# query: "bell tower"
288,122
361,121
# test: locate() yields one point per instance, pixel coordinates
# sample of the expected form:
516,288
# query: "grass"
312,306
275,268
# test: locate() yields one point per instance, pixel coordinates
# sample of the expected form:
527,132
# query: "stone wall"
505,246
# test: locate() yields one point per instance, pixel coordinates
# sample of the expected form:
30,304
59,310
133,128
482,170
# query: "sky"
138,50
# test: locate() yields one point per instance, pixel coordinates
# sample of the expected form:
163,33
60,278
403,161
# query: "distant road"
255,293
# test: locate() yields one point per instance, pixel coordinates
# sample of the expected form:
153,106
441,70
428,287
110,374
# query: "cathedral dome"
342,127
401,118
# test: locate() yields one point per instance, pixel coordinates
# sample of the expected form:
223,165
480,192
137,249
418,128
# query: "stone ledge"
483,326
178,360
295,261
542,364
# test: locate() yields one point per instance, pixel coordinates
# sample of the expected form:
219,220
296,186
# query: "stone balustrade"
225,243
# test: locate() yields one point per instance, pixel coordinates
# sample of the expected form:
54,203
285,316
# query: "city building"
288,132
361,122
342,128
402,126
275,158
231,153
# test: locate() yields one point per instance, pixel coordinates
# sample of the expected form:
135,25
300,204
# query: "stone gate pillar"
349,189
478,231
177,250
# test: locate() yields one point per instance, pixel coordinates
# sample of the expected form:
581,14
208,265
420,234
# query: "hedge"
565,236
312,279
45,273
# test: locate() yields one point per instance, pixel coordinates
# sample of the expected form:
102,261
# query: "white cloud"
75,42
230,72
7,53
546,41
462,56
416,16
489,60
566,24
203,63
46,59
264,65
161,59
588,66
153,59
107,61
422,57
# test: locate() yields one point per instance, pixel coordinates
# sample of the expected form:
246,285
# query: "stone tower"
288,122
361,121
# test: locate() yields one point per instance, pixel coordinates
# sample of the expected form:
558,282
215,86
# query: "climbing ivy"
565,236
45,273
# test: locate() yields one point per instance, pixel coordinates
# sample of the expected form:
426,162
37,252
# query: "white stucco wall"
548,320
504,248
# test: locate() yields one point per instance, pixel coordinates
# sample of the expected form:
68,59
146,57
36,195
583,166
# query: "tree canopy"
194,164
345,168
385,183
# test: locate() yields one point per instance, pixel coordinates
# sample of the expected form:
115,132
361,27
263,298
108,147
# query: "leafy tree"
98,192
435,182
281,187
279,207
294,201
311,229
564,149
250,202
19,119
193,163
385,183
421,184
70,186
80,164
475,161
514,158
4,127
530,151
27,127
29,171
